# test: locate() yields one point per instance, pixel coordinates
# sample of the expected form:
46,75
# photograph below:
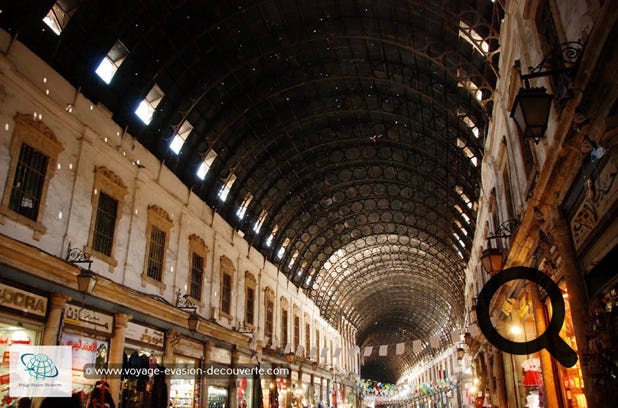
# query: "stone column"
172,338
233,397
206,361
489,361
54,317
576,286
499,374
299,384
312,390
116,350
549,382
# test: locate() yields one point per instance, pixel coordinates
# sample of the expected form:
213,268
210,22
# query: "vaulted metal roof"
354,127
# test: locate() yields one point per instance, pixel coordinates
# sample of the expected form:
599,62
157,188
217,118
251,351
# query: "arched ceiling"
356,126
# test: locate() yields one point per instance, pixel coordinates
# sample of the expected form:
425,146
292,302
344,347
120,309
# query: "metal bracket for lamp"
87,279
505,230
77,256
244,330
184,303
532,105
492,258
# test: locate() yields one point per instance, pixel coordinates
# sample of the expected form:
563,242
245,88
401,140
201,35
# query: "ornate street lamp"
86,281
532,105
492,258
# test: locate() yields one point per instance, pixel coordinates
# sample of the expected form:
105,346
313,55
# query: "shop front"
143,350
219,386
185,388
22,315
591,209
88,333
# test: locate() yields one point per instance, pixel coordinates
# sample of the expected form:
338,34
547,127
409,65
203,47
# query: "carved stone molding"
160,213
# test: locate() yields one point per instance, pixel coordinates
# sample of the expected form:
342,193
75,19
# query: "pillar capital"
121,320
58,300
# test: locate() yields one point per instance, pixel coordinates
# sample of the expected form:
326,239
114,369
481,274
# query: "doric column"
116,350
52,324
576,286
233,383
206,361
172,338
549,382
498,368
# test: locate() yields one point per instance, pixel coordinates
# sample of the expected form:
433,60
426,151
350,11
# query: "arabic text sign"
85,350
144,334
82,317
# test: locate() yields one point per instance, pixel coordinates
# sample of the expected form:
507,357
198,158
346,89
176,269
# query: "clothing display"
139,389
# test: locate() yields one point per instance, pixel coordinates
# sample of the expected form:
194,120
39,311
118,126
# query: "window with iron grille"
155,254
307,339
296,332
284,326
317,345
250,301
226,293
197,276
270,312
105,224
28,182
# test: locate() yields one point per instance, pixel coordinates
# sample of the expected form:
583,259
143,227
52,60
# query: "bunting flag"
417,346
400,348
434,341
288,348
300,350
312,353
384,350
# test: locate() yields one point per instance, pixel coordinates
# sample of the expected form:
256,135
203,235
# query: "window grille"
296,333
307,339
197,274
155,255
270,311
284,326
226,294
28,182
105,224
249,307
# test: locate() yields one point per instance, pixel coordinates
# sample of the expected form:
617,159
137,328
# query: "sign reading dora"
22,300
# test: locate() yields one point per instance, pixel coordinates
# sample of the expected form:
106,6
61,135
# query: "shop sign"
189,348
22,300
219,355
601,195
81,317
144,334
85,350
